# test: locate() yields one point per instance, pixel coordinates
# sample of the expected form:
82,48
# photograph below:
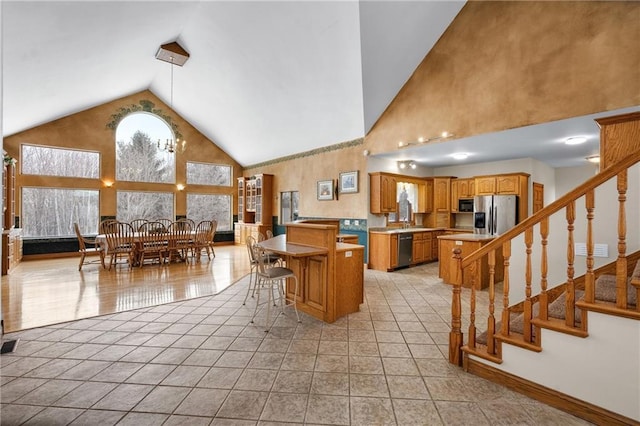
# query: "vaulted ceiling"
265,79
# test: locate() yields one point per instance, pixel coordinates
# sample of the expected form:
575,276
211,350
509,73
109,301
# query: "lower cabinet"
383,249
11,249
243,230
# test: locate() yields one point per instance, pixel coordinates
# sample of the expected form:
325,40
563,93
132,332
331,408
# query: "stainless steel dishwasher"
405,248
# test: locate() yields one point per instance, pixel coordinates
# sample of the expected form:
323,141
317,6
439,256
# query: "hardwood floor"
44,292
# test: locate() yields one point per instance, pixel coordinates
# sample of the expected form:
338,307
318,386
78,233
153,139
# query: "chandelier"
175,55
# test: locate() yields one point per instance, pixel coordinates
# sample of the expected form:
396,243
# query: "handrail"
558,204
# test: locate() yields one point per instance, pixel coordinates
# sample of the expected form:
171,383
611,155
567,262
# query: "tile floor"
200,362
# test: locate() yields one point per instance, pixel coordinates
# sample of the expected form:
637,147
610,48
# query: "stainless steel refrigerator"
494,214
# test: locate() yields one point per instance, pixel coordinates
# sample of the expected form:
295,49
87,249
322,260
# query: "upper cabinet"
485,185
255,198
442,194
383,187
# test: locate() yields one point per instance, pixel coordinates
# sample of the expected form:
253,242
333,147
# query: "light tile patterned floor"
200,362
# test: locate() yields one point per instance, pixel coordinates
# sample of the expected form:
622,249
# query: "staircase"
573,344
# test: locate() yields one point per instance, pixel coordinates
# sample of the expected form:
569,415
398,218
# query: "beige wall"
88,130
499,65
502,65
301,173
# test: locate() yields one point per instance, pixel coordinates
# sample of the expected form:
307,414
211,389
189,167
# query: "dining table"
101,240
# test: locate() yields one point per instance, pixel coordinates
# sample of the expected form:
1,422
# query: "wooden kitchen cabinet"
509,184
442,194
466,188
454,195
468,244
422,249
425,197
485,185
255,206
383,193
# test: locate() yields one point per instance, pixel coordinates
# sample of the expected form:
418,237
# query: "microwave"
465,205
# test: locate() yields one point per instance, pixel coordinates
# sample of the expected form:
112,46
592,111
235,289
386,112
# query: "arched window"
139,156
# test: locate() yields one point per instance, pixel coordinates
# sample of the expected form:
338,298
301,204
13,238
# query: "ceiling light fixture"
175,55
460,155
422,140
575,140
407,164
593,159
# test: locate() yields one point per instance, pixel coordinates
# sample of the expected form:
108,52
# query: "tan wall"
88,130
302,174
502,65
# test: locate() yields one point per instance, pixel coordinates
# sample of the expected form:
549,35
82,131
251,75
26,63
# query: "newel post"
455,335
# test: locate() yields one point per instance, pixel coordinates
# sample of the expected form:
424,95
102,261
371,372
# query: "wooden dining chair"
120,242
138,223
180,240
165,222
107,225
87,246
152,243
202,239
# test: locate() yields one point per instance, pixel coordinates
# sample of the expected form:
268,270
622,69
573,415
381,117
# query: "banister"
552,208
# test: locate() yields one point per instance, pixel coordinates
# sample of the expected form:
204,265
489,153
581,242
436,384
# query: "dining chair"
201,239
120,242
83,242
269,234
191,223
180,237
152,243
137,223
272,278
214,228
106,225
165,222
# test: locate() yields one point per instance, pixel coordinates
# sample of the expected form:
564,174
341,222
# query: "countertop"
468,237
405,230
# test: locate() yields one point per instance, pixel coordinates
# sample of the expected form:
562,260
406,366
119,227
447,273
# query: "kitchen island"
330,273
468,243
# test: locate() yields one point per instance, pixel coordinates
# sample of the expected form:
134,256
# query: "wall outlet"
356,223
347,222
348,254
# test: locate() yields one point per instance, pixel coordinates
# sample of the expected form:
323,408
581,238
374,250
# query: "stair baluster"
506,314
570,288
590,281
455,335
491,321
621,263
544,269
528,304
472,317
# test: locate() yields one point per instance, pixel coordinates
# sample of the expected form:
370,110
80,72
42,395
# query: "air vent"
599,250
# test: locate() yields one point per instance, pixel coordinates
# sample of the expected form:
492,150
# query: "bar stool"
270,278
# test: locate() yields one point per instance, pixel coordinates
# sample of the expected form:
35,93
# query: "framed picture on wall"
325,189
348,182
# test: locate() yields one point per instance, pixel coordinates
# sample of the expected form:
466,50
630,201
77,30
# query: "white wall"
602,369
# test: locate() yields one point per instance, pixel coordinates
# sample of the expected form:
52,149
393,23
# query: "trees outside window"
144,205
208,174
42,160
139,158
209,207
289,206
51,212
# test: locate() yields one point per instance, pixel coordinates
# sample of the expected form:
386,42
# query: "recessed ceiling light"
460,155
576,140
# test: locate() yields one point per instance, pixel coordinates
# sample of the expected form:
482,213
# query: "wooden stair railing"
532,322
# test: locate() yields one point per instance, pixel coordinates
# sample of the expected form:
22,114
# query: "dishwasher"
405,248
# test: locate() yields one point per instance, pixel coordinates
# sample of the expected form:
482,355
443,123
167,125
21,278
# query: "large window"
51,212
40,160
144,205
139,154
209,207
208,174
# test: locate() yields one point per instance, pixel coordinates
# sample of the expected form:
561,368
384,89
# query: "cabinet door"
507,185
428,197
486,185
442,195
315,288
455,195
472,188
389,194
393,251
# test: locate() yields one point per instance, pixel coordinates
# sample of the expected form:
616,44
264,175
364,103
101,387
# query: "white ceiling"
265,79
